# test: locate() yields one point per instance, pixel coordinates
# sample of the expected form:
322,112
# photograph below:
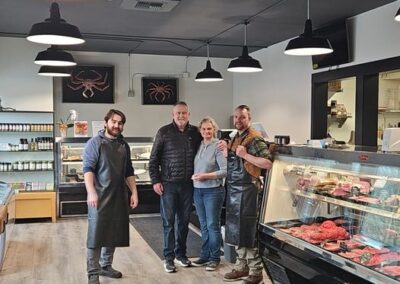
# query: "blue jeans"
176,201
208,202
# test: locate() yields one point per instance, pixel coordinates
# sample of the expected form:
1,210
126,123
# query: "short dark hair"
244,107
111,113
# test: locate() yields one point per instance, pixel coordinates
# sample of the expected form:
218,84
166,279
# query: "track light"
208,74
245,63
55,71
54,56
55,30
306,43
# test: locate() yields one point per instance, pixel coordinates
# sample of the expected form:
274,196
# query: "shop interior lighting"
397,17
55,71
208,74
55,30
245,63
54,56
306,44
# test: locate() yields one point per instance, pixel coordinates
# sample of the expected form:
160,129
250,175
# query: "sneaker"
108,271
253,279
169,266
235,275
184,261
93,279
200,262
212,265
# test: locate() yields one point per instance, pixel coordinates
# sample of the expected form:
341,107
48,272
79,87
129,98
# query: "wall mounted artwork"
159,91
89,84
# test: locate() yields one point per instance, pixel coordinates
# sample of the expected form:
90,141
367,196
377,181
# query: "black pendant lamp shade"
208,74
55,71
397,17
245,63
55,30
307,44
54,56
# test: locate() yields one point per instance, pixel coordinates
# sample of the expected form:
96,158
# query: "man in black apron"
247,155
108,170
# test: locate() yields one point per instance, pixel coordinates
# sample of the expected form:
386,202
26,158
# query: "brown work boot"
253,279
235,275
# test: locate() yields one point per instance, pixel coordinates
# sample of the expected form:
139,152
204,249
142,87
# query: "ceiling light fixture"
208,74
54,56
55,71
397,17
55,30
306,43
245,63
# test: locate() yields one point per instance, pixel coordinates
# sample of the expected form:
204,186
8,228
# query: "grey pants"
99,257
248,259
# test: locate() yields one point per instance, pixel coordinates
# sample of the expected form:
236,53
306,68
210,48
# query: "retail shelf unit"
27,161
71,192
332,214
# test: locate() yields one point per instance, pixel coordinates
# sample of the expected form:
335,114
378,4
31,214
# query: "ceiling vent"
149,5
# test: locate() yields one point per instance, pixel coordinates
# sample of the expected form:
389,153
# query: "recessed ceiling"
109,26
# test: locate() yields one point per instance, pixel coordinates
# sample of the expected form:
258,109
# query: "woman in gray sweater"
209,193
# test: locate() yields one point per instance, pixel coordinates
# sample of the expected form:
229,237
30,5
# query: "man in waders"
108,170
247,155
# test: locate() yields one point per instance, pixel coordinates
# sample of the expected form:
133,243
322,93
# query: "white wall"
214,99
280,96
21,87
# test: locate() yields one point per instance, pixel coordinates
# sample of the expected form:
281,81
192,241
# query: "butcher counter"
331,216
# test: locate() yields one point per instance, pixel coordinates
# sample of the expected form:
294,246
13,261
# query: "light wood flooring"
55,253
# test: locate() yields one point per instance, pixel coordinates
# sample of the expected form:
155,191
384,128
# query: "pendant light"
55,30
397,17
245,63
54,56
306,43
208,74
55,71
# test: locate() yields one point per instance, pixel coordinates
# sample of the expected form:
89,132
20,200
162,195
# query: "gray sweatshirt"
209,159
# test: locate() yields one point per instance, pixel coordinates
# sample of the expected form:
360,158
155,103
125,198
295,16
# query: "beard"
113,131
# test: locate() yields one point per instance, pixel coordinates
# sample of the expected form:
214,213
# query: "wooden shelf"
35,205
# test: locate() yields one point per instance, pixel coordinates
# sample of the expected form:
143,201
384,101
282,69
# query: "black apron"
109,223
241,204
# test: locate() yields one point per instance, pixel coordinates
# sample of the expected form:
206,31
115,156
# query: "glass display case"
70,182
332,215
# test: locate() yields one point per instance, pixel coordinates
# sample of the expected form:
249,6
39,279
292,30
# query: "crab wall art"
89,84
160,91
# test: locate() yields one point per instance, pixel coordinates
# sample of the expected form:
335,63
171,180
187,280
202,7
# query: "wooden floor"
54,253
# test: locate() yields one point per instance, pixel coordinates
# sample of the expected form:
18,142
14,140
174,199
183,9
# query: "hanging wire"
245,32
308,9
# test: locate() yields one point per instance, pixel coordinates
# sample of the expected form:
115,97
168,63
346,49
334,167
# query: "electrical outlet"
185,75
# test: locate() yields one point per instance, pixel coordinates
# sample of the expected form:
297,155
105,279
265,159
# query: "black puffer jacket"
173,153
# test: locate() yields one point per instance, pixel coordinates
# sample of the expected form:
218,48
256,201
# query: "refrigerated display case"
331,216
71,192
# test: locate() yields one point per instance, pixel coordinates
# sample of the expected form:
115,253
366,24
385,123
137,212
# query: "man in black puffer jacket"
171,169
